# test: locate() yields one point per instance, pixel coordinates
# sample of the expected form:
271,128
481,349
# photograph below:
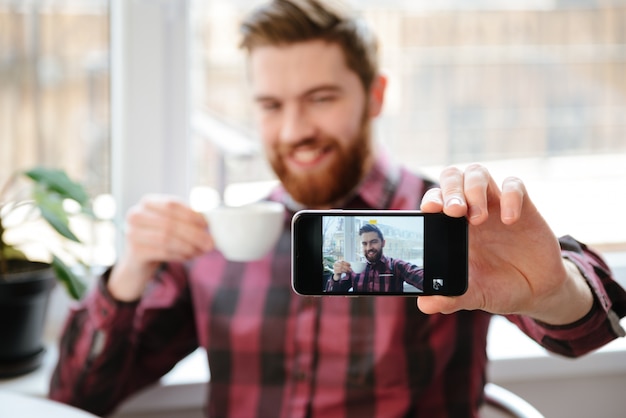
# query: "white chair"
507,403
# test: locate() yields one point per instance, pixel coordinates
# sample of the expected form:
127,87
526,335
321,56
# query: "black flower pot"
24,297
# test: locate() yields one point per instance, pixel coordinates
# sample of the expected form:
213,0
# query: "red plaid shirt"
385,275
275,354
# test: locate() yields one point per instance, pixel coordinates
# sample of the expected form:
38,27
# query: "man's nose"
296,125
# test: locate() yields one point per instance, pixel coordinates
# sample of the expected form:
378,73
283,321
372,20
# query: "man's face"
313,117
372,246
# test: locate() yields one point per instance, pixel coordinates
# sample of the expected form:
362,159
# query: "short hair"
371,228
286,22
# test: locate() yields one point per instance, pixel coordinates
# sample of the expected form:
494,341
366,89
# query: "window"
54,95
532,88
535,89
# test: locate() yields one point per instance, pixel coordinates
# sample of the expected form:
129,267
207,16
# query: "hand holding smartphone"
402,253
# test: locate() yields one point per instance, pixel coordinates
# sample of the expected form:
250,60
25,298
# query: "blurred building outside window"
532,88
54,105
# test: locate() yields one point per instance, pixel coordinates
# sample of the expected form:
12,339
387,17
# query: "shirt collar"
377,188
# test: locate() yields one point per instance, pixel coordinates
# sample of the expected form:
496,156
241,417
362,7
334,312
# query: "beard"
373,256
324,187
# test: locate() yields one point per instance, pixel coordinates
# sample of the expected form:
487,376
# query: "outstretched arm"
410,273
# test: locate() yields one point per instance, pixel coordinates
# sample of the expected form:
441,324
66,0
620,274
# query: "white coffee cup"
246,233
357,266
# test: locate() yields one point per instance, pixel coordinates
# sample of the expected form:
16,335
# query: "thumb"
438,304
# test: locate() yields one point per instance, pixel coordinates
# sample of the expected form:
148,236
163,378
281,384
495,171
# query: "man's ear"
377,95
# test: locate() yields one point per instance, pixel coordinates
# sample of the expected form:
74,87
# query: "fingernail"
436,199
475,212
454,201
508,214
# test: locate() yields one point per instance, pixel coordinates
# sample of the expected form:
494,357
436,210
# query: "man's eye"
322,98
269,106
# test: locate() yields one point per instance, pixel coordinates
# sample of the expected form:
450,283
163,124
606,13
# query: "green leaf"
58,181
51,207
75,287
12,253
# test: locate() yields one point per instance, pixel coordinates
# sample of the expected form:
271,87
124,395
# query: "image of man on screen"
382,274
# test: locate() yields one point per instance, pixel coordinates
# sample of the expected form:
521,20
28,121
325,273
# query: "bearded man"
316,88
381,274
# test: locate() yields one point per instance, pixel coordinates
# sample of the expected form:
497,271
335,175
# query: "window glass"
54,98
531,88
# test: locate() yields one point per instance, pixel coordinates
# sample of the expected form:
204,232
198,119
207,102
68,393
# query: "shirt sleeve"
342,285
111,349
410,273
600,326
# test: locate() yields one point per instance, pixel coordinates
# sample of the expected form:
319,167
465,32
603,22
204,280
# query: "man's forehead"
298,67
369,236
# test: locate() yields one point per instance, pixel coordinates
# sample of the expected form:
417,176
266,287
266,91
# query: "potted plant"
25,284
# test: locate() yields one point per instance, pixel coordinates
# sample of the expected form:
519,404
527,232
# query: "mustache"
305,143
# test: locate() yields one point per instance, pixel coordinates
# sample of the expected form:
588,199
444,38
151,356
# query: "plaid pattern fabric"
385,275
275,354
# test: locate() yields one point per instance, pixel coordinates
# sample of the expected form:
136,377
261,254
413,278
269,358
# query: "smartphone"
367,253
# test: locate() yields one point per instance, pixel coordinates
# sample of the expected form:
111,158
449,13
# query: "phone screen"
350,253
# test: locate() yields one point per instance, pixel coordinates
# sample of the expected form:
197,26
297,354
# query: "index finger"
452,184
513,193
182,226
479,189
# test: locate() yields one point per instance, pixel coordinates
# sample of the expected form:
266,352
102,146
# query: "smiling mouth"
371,255
309,156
